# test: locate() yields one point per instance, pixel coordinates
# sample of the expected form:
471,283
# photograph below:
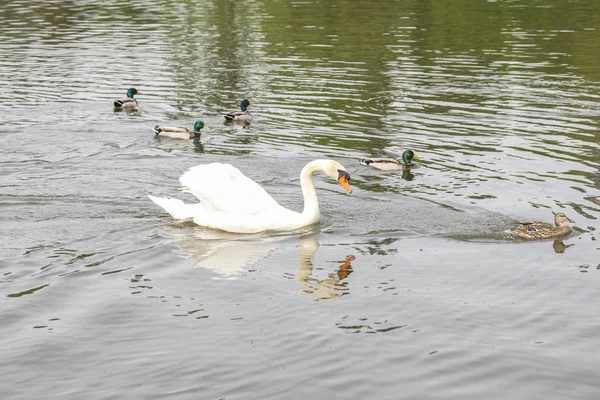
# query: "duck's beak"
570,220
417,157
138,92
206,127
344,182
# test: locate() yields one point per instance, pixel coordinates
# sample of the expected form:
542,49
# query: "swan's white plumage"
177,208
220,187
232,202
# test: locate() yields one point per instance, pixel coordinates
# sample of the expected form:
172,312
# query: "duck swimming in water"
127,103
241,116
391,164
544,230
179,132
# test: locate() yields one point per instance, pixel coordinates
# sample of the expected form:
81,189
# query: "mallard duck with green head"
240,116
179,132
391,164
544,230
127,103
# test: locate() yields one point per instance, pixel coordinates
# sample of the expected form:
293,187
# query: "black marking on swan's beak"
344,179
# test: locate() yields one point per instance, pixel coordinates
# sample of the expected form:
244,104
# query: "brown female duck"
544,230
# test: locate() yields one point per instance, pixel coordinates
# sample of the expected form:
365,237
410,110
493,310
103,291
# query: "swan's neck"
311,202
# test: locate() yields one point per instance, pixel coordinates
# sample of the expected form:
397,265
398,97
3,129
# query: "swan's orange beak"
343,180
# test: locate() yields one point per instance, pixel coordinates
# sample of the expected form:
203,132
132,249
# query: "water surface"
409,288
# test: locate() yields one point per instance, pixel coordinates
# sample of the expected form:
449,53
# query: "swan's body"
240,116
391,164
127,103
179,132
232,202
544,230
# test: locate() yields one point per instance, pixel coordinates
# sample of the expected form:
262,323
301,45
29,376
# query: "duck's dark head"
199,125
408,156
132,92
244,105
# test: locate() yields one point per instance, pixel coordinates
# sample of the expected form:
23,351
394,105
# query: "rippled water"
409,288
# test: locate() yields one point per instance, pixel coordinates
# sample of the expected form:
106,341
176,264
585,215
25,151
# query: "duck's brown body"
240,116
127,103
385,164
391,164
175,132
544,230
180,132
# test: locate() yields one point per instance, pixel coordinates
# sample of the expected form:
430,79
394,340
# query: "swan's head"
132,92
337,171
244,105
560,218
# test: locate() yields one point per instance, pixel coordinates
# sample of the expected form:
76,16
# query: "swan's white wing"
177,208
222,187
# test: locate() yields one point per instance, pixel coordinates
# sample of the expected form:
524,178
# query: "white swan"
232,202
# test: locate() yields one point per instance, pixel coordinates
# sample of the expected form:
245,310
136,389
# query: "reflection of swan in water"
231,256
332,286
226,254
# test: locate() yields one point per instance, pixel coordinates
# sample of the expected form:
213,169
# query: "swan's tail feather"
177,208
